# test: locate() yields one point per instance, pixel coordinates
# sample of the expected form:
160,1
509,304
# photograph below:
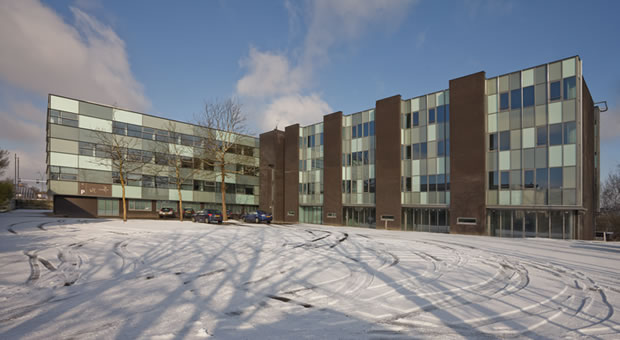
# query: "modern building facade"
514,155
84,183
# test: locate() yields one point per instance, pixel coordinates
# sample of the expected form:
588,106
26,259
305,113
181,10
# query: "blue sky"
287,61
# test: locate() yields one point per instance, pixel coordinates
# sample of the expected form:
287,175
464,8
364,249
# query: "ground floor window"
137,205
192,205
435,220
558,224
311,215
107,207
360,216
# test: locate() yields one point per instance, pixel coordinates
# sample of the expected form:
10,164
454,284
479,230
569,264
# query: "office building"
514,155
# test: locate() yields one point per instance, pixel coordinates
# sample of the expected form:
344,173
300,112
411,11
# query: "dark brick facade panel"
291,173
332,163
387,167
590,174
467,153
75,206
272,165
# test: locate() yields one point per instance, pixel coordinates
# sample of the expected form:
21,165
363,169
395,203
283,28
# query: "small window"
354,131
554,91
503,101
466,220
541,135
570,133
372,128
505,180
423,150
416,151
330,215
555,178
407,124
493,180
529,179
515,99
570,88
431,116
441,113
407,152
541,179
504,140
416,118
528,96
555,134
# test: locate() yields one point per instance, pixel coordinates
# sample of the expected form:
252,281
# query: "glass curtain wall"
556,224
426,219
311,173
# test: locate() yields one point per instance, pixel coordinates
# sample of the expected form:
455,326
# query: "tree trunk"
224,214
180,203
124,203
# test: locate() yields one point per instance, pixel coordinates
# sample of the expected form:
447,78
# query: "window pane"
543,224
431,116
493,180
493,141
503,101
555,178
416,119
570,133
570,88
554,90
441,114
541,135
423,150
529,178
505,180
555,134
530,224
504,140
528,96
541,179
515,99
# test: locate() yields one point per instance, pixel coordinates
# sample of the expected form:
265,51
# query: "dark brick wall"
387,167
291,173
590,174
272,157
332,167
467,153
75,206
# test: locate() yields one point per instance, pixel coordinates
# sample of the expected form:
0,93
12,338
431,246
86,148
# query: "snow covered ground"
87,278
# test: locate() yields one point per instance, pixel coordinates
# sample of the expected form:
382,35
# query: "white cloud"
610,125
41,53
293,109
283,82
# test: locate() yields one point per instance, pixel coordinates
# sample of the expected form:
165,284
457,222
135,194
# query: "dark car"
208,216
188,212
258,216
166,212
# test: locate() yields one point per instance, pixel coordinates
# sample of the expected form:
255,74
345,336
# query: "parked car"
166,212
188,212
208,216
258,216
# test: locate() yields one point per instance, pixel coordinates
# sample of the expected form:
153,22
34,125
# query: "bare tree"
123,155
609,218
181,161
4,161
224,123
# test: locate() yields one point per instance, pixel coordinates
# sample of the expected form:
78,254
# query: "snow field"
103,279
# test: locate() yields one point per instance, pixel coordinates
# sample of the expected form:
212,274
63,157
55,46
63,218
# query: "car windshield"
165,209
213,211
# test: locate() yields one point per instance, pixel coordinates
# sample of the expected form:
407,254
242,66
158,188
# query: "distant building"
514,155
82,185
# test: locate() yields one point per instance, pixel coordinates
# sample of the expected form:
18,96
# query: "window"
147,133
371,185
528,96
515,179
541,179
372,128
136,205
529,179
555,178
366,160
431,116
408,184
86,149
504,140
541,135
554,90
134,180
441,114
161,135
493,180
416,151
416,118
441,149
503,101
505,179
107,207
148,181
63,118
119,128
147,156
407,123
423,150
466,220
134,155
515,99
162,182
555,134
423,184
187,162
250,149
354,132
408,152
134,130
570,88
570,133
